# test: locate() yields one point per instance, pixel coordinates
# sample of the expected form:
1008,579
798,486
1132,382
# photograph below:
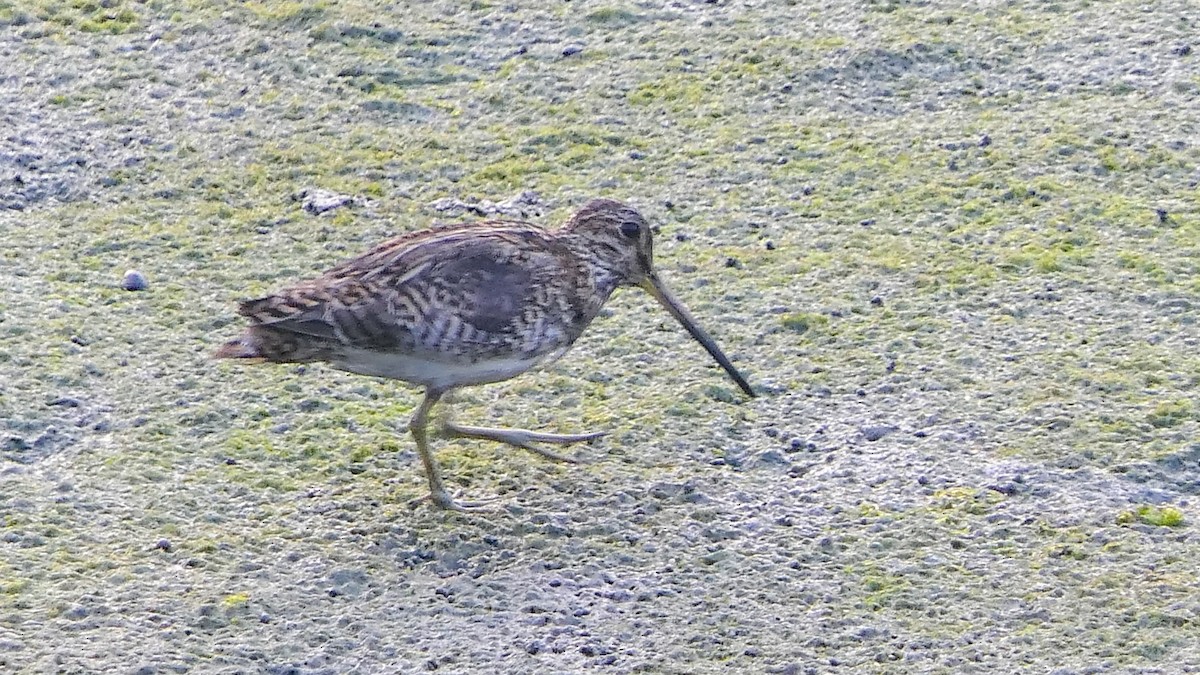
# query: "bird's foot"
522,438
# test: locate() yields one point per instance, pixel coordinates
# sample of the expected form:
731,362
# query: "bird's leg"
437,489
522,438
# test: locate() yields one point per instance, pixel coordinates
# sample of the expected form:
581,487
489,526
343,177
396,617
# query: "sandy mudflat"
954,245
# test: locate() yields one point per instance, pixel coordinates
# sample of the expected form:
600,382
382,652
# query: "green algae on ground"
1164,516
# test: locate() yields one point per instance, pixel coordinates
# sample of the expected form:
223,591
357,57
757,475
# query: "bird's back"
447,306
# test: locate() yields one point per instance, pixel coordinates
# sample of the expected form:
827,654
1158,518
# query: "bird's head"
617,239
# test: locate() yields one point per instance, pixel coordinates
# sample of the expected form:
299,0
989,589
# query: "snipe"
461,305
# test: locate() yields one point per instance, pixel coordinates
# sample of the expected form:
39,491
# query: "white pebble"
134,281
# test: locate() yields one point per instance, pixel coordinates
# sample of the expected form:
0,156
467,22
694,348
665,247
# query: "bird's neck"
604,274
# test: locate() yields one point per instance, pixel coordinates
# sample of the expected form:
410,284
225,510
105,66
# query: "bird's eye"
631,229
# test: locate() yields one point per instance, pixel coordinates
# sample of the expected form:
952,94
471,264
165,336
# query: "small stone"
316,201
1058,424
76,612
571,50
15,443
771,457
134,281
874,433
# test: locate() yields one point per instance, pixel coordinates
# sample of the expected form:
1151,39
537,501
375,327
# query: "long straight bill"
654,286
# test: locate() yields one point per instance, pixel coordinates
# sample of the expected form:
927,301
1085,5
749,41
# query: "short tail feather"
241,347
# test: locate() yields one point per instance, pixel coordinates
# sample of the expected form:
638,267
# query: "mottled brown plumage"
462,305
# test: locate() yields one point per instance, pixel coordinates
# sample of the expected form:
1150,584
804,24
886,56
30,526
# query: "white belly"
437,374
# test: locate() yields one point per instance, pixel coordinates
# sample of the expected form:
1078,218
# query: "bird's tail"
241,347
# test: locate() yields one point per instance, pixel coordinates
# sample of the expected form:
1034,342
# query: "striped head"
615,238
